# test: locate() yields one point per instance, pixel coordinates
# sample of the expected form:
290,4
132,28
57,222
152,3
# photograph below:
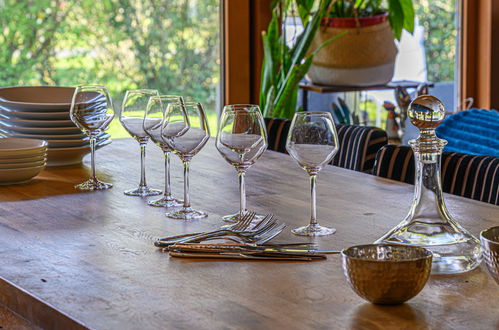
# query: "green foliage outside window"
438,19
173,46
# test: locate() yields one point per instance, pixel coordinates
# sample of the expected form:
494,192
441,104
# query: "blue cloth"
475,132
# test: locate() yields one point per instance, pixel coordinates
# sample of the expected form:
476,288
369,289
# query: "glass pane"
169,45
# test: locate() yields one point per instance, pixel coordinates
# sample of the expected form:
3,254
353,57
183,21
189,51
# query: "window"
169,45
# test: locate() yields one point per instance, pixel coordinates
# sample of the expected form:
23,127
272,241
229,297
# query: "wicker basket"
364,56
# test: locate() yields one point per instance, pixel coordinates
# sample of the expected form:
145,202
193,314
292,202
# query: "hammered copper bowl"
386,273
490,245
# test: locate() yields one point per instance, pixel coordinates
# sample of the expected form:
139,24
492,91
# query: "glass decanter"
428,223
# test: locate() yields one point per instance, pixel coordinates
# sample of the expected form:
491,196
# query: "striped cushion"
358,144
470,176
358,147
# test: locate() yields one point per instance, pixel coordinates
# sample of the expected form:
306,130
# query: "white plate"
36,123
70,156
22,165
28,159
6,113
39,130
54,137
11,147
39,98
19,175
67,143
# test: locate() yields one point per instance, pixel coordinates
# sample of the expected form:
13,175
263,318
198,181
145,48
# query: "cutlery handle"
235,256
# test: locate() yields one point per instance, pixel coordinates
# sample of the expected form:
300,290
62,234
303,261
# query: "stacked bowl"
42,112
21,159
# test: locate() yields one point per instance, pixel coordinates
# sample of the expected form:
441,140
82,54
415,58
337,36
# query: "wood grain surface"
76,260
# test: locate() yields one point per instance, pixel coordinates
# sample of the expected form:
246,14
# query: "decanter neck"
428,204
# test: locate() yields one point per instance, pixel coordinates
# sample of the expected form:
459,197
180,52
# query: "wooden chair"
358,144
470,176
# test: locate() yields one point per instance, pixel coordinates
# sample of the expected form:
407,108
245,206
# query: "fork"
240,228
261,238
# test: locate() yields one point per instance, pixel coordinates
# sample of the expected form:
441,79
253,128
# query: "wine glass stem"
187,201
313,211
143,165
242,193
167,174
92,157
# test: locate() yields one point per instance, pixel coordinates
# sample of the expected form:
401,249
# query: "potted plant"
285,65
366,53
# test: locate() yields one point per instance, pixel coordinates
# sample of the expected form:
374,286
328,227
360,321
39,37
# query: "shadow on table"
52,181
371,316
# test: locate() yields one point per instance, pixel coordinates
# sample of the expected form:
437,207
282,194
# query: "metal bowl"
490,245
386,273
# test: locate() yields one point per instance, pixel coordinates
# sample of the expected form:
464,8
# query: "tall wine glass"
92,110
132,118
312,142
153,123
241,140
186,132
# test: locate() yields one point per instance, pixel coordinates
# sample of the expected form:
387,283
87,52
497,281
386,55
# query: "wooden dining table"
73,260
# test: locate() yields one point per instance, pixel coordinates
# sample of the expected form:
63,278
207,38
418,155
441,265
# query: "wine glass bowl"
153,124
92,111
241,140
312,142
132,119
186,131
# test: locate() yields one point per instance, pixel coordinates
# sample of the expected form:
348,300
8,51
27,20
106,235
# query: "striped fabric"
470,176
358,144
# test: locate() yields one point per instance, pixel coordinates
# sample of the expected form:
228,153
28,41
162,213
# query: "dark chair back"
470,176
358,144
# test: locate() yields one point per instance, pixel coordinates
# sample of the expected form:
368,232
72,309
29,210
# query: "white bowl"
23,165
36,123
18,147
19,175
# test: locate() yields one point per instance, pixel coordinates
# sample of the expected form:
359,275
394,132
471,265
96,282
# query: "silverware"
242,256
490,244
263,231
239,226
298,249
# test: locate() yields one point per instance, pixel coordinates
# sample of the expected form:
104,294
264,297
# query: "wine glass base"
93,184
313,230
187,214
143,192
166,202
234,218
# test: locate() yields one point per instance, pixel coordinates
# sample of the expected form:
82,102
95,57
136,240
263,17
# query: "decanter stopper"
426,112
428,223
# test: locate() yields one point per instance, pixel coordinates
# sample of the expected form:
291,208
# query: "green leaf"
408,10
396,17
304,10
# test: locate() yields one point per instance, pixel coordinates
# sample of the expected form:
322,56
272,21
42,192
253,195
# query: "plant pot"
364,56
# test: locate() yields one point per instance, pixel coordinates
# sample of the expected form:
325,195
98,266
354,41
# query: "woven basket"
359,48
368,49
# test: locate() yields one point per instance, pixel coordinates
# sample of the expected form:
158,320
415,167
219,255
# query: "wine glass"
312,142
186,131
92,110
132,118
241,140
153,122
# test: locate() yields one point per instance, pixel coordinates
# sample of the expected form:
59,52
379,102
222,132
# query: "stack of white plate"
21,159
42,112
